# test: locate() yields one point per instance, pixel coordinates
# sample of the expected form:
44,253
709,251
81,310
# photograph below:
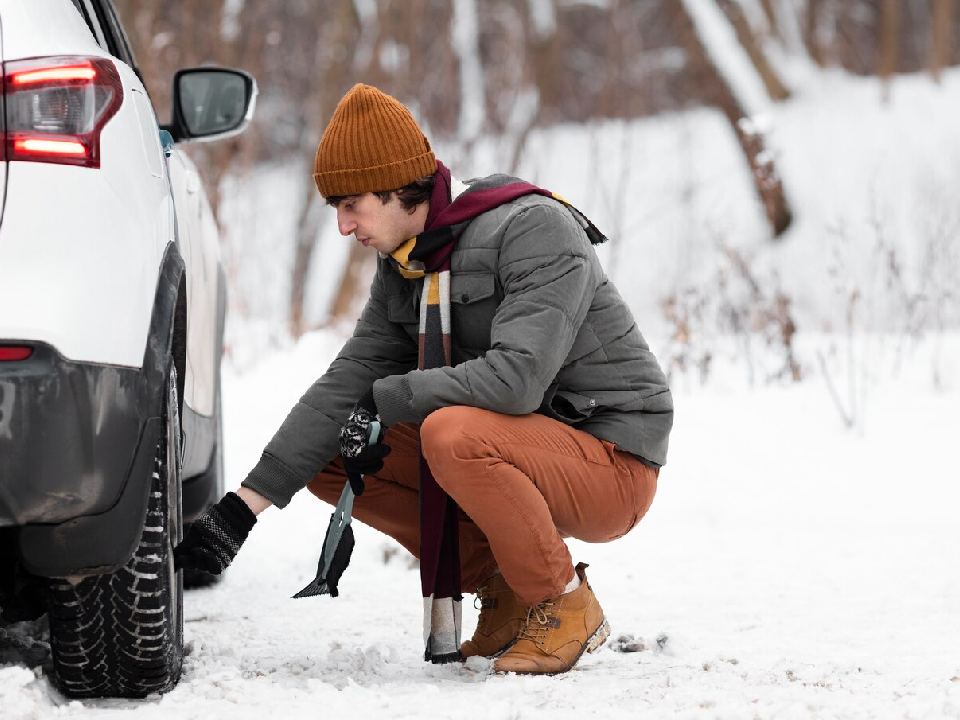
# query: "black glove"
360,457
212,542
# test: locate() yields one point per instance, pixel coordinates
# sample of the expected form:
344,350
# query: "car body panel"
85,282
201,253
150,145
89,303
106,228
44,27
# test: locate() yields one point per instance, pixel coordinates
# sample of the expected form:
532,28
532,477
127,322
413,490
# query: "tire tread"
114,635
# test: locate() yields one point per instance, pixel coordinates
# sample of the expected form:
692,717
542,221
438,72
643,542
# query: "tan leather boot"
500,619
557,632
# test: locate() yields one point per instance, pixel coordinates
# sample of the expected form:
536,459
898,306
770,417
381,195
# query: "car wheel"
121,634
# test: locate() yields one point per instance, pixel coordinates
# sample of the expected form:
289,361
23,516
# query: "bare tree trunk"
942,40
767,182
304,244
771,14
816,19
349,288
322,95
465,39
608,101
521,135
514,105
889,43
752,44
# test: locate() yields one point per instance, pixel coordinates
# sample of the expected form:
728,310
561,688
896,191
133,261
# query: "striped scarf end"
442,659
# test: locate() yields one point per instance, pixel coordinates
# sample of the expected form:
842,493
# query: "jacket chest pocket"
403,308
473,303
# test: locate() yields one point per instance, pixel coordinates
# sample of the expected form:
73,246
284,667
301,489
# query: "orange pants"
523,483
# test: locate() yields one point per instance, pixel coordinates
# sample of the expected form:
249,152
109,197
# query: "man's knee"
452,434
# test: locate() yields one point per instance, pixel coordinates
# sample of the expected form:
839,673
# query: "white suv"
112,302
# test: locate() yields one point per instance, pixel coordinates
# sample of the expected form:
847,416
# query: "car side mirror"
211,103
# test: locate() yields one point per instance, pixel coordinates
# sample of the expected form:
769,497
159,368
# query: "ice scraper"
338,543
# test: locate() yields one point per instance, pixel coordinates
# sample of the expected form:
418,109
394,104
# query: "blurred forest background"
471,69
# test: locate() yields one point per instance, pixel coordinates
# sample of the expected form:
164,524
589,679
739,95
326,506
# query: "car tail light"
13,353
56,108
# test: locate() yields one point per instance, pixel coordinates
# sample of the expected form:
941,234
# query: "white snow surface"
789,568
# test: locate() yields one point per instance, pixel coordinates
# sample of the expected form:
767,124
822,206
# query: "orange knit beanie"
371,144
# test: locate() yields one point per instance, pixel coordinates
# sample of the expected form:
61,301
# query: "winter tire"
121,634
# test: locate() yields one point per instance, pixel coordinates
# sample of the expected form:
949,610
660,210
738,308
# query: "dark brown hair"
410,195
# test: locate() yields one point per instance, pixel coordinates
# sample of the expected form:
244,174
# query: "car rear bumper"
68,435
78,442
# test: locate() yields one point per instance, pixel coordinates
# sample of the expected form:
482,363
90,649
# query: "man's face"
384,227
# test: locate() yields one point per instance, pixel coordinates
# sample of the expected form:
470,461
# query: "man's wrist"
253,500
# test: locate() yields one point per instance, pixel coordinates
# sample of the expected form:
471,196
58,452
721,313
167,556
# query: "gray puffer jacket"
536,327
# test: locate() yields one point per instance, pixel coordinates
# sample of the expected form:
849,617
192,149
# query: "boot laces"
485,602
483,599
537,624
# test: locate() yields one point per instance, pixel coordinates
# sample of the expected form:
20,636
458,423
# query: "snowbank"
789,568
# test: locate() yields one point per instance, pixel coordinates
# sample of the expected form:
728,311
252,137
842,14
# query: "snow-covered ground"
789,568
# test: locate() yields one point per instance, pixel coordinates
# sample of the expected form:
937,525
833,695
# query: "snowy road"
790,568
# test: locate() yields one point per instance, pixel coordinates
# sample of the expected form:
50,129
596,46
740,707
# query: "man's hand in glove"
359,456
213,541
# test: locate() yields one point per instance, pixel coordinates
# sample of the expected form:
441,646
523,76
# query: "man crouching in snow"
523,405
